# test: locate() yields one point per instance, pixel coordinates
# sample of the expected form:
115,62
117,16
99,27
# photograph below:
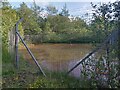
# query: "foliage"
57,23
101,25
17,78
51,10
9,19
106,72
105,18
99,73
64,11
60,80
29,24
59,28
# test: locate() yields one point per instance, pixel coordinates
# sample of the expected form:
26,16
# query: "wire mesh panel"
11,41
98,67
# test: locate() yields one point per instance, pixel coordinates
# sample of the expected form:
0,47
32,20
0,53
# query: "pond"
57,57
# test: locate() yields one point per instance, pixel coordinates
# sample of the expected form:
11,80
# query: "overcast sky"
61,0
75,7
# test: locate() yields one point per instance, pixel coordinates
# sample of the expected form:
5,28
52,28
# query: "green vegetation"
60,80
17,78
28,76
57,27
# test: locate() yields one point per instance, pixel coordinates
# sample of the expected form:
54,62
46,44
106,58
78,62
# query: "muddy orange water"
56,57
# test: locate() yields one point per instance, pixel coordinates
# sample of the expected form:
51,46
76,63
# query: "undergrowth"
28,76
60,80
17,78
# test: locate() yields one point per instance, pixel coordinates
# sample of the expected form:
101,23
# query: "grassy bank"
16,78
28,76
61,80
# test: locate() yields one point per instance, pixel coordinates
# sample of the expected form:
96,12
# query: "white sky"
73,10
62,0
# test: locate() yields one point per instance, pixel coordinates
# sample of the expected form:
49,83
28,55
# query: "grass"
16,78
19,78
28,76
60,80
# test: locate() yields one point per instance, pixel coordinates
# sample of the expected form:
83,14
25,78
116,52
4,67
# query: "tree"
116,11
29,24
102,18
51,10
36,9
58,23
36,12
65,11
47,32
9,19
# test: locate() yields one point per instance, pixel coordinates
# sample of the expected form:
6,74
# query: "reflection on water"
54,66
58,66
58,57
77,71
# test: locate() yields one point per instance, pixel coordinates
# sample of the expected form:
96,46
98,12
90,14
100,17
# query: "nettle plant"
103,70
99,72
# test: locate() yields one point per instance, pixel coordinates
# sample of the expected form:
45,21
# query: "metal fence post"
95,50
29,51
16,46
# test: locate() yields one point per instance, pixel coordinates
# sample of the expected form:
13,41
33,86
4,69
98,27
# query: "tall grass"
13,77
6,57
60,80
7,63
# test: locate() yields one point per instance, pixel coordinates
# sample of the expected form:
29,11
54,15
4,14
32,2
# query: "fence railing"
112,38
17,35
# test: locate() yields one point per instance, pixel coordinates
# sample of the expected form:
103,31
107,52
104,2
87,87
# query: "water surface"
58,57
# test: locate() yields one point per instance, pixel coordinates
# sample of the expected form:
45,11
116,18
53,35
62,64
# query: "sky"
61,0
75,7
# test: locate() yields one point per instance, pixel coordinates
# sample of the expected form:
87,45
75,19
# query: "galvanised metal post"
16,44
95,50
29,51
